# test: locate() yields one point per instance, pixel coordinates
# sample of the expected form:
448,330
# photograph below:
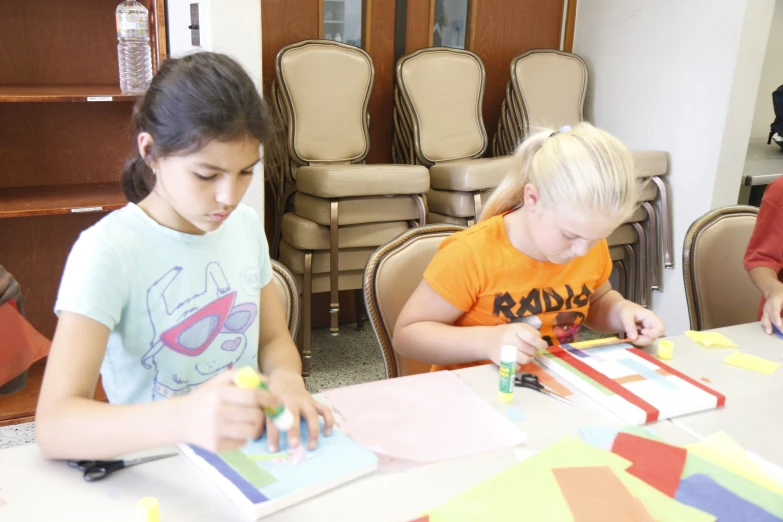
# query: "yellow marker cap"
665,349
147,510
247,377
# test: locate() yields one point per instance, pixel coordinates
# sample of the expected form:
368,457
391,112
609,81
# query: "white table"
753,414
386,495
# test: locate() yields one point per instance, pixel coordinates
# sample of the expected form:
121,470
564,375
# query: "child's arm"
610,313
279,358
70,424
424,332
766,280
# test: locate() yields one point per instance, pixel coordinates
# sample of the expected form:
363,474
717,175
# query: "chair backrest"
717,287
285,284
442,90
324,89
550,88
392,274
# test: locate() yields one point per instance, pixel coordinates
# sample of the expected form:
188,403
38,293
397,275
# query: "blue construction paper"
777,332
599,436
515,414
701,492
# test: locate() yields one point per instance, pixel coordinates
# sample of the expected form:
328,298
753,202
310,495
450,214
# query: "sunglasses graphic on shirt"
194,335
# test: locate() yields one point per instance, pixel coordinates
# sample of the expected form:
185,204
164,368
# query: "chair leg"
632,284
666,223
653,247
419,200
358,299
644,285
306,332
334,270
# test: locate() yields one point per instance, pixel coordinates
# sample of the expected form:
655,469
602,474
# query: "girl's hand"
526,338
290,387
219,416
771,312
641,325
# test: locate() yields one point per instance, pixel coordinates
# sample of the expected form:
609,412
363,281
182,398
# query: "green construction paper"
499,497
740,486
247,469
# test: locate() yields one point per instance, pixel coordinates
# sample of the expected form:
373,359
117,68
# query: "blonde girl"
536,267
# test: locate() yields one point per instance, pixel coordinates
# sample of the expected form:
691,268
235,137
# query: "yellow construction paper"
665,349
596,342
751,362
499,498
711,339
719,448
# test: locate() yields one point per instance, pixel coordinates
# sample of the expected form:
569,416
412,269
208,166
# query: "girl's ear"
531,197
145,142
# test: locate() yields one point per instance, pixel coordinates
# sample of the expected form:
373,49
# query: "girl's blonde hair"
579,166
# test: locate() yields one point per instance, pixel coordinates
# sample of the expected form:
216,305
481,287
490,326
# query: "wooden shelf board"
60,199
64,93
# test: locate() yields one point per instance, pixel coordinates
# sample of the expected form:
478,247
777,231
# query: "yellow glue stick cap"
247,377
665,349
147,510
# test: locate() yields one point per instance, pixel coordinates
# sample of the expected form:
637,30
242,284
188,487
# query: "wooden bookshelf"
63,93
65,134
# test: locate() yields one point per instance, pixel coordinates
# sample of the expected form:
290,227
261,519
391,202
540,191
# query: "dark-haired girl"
171,294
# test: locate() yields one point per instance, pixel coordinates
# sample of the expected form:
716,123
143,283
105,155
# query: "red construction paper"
658,464
20,344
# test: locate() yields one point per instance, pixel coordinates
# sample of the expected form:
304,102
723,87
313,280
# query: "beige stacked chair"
547,89
437,123
390,277
287,291
717,287
343,209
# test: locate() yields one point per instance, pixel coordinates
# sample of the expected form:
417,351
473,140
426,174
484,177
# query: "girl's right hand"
527,339
220,416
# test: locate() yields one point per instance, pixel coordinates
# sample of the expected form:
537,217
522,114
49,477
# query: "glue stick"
247,377
147,510
508,371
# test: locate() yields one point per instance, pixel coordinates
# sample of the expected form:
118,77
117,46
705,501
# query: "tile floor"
352,357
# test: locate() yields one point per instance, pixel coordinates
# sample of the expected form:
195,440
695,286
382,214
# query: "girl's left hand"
290,387
641,325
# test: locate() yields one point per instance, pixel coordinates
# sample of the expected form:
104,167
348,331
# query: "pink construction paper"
428,417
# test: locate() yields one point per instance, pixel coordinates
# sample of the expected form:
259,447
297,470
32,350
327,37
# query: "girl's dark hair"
191,101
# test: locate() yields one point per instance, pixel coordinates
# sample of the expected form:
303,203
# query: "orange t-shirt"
480,272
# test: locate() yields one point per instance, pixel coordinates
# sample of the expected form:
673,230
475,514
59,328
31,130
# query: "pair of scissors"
531,380
100,469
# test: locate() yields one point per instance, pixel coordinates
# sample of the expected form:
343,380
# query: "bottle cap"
147,510
247,377
508,353
284,421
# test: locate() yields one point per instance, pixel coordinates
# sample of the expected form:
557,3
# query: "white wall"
233,29
771,77
664,75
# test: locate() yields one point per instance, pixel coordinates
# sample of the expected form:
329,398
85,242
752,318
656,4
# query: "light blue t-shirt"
181,308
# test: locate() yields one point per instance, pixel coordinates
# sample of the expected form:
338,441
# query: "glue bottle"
508,371
247,377
147,510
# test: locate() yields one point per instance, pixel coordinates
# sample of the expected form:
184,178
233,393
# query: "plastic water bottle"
133,50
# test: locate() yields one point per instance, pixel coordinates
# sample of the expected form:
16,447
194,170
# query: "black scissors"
100,469
531,380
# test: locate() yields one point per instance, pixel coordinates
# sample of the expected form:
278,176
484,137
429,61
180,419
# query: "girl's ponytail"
137,180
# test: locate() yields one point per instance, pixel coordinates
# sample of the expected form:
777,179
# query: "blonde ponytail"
581,166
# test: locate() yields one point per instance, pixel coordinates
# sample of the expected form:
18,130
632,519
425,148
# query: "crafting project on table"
261,483
629,382
427,417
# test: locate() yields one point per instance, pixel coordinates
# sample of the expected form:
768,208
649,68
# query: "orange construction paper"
596,494
20,344
546,378
658,464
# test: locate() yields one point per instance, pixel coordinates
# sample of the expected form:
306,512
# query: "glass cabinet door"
343,21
